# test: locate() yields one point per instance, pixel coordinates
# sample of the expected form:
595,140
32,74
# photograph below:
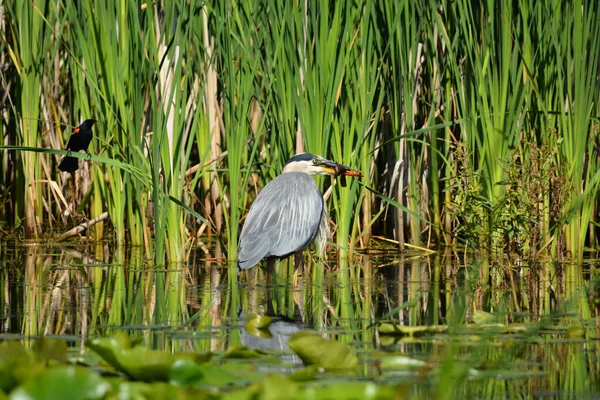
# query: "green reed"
236,57
25,42
576,94
402,50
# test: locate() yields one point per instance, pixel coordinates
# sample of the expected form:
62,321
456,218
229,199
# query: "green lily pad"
256,321
351,391
279,387
64,382
305,374
157,391
188,373
11,355
274,386
388,328
328,354
16,365
124,340
241,352
483,317
401,362
107,349
392,329
45,349
575,332
141,363
515,328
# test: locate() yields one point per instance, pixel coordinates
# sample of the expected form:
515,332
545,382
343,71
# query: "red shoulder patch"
76,131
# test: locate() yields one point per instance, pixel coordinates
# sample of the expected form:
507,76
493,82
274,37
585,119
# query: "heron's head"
315,165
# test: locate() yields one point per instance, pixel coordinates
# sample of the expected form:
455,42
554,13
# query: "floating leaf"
150,365
387,328
107,349
305,374
351,390
256,321
387,340
45,349
515,328
188,373
274,386
64,382
139,362
575,332
12,355
329,354
392,329
401,362
278,387
157,390
124,340
241,352
483,317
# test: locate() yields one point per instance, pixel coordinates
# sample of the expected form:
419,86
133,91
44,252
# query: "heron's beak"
335,169
327,167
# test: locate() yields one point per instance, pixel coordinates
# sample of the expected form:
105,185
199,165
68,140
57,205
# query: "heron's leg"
271,284
270,271
253,276
299,260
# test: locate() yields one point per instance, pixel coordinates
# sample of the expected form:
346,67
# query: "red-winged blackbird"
80,140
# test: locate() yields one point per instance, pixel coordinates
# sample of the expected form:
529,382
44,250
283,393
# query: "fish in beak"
343,171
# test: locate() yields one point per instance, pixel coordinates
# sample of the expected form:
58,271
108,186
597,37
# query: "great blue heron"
289,213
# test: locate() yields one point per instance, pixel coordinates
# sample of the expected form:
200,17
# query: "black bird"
80,140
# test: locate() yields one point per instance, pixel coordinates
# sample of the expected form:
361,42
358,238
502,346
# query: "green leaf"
515,328
138,362
350,391
258,325
13,356
241,352
482,317
274,386
329,354
387,328
575,332
188,373
68,382
401,362
392,329
45,349
17,365
157,391
305,374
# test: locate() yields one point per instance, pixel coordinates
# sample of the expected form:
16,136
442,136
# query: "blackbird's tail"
69,164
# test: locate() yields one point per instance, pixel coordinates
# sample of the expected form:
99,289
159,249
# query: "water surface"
518,330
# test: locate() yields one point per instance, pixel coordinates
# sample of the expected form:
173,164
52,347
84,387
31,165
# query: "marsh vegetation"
475,125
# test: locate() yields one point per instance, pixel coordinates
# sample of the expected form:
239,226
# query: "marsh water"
413,320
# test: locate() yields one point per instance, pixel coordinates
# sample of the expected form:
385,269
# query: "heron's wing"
283,219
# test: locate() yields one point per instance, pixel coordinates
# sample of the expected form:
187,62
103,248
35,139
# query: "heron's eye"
315,161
